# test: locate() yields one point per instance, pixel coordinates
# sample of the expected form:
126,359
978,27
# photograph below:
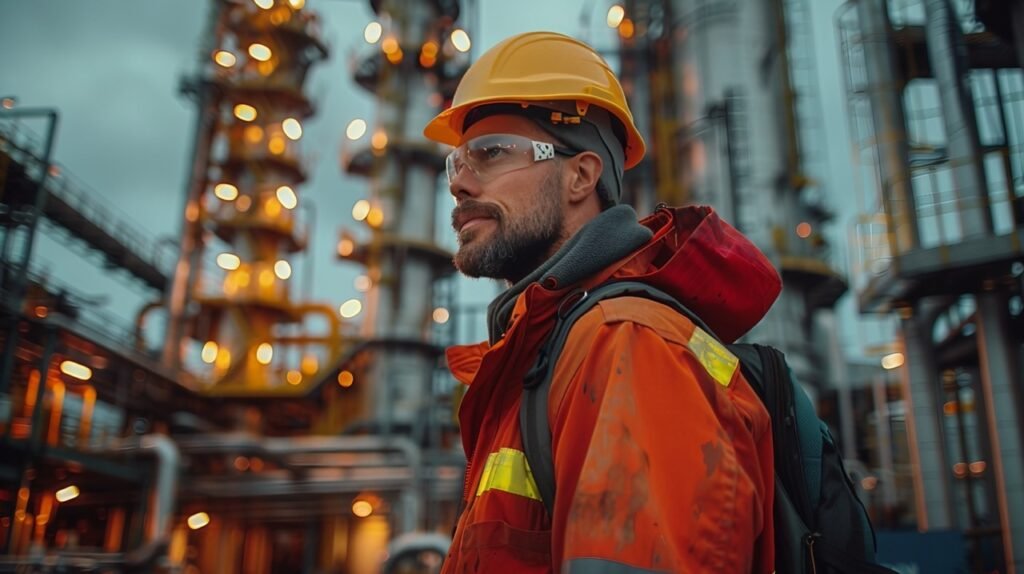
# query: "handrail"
23,146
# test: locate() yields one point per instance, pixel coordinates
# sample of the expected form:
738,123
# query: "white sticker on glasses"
543,150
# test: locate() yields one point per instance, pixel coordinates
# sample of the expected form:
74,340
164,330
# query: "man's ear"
583,176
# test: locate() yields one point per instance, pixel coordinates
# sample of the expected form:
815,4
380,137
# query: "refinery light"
228,261
346,378
276,145
390,45
356,129
360,210
350,308
224,59
209,353
67,493
286,197
362,283
346,247
804,230
198,520
245,112
225,191
265,4
292,128
892,361
260,52
615,15
362,508
282,269
76,370
310,364
264,353
375,218
441,315
460,39
373,32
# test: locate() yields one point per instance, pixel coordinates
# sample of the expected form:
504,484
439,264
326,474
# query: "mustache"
470,209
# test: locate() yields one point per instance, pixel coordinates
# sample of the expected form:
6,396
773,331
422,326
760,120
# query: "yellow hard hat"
538,67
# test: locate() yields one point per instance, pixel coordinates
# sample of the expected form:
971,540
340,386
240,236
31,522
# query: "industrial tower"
244,191
725,92
412,73
935,99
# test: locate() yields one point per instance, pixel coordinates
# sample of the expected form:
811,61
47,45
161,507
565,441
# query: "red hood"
707,265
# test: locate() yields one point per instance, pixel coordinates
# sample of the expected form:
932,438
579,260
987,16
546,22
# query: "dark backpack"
821,525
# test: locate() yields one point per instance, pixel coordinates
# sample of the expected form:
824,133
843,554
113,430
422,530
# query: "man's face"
509,224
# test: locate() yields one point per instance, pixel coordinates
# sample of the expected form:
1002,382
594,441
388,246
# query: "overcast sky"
113,67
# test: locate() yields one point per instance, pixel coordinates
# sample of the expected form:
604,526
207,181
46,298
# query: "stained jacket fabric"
662,451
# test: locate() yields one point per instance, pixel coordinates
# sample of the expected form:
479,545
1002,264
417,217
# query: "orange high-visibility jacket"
662,451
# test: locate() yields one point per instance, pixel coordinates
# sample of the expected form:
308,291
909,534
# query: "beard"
519,244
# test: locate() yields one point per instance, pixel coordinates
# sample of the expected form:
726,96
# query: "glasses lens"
451,165
490,156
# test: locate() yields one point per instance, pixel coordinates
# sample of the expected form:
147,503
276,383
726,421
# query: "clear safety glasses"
492,155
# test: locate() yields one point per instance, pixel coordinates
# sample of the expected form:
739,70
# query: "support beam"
924,424
1002,394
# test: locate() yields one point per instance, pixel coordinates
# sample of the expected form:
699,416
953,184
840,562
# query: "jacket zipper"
810,547
465,485
464,503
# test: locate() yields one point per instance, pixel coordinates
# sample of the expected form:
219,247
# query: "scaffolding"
932,97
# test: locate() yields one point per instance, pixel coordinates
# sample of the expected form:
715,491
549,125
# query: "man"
663,462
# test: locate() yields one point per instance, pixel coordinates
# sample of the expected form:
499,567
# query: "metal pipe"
186,271
1014,202
927,442
883,434
158,528
947,53
999,378
399,305
840,381
21,265
140,323
306,291
36,440
409,486
884,89
168,457
1017,15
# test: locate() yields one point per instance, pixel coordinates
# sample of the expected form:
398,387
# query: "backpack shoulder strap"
533,410
795,426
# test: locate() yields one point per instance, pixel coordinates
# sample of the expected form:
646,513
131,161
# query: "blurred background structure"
239,425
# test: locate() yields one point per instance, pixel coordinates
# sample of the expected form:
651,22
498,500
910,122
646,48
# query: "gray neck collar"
607,238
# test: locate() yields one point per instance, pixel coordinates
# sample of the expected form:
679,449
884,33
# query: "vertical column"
884,89
883,434
826,319
191,249
924,424
400,302
947,52
1017,11
1002,395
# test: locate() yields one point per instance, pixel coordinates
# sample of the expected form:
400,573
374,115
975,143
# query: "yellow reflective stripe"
717,360
508,471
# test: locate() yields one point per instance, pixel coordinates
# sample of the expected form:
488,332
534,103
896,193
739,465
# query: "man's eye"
492,152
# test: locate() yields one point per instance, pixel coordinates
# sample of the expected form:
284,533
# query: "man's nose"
464,185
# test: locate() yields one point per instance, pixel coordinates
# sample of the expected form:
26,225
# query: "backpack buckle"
571,301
